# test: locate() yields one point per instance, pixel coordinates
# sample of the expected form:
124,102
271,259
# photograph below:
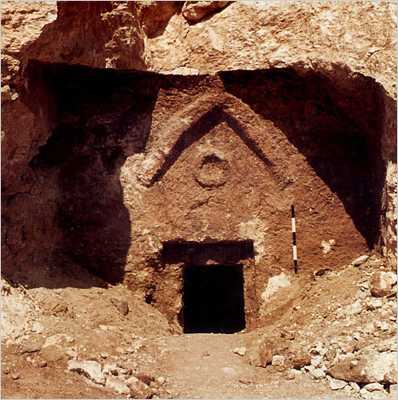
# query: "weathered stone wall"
350,44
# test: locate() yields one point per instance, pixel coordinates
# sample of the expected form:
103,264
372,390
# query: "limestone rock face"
221,65
194,11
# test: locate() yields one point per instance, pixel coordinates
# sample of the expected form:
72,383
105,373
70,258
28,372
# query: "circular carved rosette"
212,171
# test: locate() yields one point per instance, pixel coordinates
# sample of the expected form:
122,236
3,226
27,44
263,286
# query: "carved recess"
212,171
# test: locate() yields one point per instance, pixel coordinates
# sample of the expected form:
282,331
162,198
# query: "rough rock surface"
122,129
194,11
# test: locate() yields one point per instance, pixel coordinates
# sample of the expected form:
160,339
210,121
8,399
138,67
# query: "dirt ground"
93,324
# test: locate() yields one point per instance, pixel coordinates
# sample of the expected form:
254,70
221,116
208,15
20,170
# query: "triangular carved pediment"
189,126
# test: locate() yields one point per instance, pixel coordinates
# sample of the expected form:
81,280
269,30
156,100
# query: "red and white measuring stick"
294,244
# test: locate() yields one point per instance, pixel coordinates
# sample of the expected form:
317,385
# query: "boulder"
360,260
366,366
53,353
194,11
90,369
121,305
336,384
117,385
382,283
138,389
241,351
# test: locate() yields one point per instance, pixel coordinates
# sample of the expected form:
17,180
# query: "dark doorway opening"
213,299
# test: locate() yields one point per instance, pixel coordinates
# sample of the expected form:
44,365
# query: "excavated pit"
140,162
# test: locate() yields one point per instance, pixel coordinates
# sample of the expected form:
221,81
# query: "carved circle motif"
212,171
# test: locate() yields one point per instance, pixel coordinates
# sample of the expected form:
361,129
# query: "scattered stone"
278,361
360,260
366,366
374,387
382,284
292,374
355,308
145,377
161,380
52,353
373,391
373,303
91,369
104,355
241,351
117,385
316,373
354,386
30,347
138,389
316,361
336,384
37,327
299,360
121,305
111,369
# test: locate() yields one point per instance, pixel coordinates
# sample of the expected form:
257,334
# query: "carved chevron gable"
190,125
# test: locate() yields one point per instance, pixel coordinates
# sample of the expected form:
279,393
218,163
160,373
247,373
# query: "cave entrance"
215,288
213,299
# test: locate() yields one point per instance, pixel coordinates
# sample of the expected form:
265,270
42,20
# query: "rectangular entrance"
213,298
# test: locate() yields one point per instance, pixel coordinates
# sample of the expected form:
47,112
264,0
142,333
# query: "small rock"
360,260
336,384
121,305
374,387
30,347
52,353
366,366
138,389
316,373
146,378
104,355
37,327
355,386
117,385
382,284
373,303
91,369
292,374
316,361
42,364
241,351
299,360
228,371
161,380
110,369
6,370
394,391
278,361
355,308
